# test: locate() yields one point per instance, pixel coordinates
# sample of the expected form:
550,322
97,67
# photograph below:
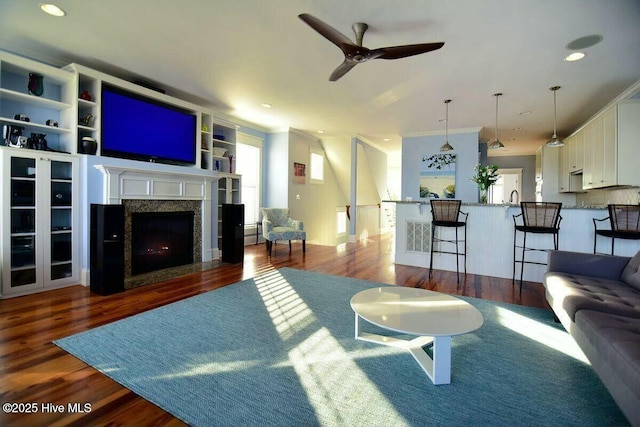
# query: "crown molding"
440,132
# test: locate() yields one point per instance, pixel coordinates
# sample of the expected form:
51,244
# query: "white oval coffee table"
433,316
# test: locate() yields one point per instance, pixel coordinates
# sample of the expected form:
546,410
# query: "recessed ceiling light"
266,105
518,128
52,9
320,131
386,139
575,56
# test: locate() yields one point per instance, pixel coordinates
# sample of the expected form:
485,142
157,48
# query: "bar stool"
537,218
624,222
446,213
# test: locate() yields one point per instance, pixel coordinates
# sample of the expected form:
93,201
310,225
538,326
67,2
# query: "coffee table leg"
437,368
442,360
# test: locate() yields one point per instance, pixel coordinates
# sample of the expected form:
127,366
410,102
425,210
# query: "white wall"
276,167
466,150
372,175
315,204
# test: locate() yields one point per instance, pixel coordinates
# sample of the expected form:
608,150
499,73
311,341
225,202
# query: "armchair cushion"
276,225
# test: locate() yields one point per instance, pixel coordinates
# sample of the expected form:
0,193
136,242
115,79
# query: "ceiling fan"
355,53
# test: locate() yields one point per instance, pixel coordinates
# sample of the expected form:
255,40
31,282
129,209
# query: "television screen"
135,127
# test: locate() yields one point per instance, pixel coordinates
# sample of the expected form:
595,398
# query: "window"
248,164
316,160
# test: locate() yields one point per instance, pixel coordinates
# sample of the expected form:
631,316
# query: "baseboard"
85,277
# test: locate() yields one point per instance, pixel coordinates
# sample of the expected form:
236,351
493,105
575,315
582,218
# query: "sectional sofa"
597,299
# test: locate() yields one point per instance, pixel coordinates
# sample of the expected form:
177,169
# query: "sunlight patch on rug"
324,381
553,338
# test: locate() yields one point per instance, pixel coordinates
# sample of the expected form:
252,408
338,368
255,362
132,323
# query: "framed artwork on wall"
438,176
299,173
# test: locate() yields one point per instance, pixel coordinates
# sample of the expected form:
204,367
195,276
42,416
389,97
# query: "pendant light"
554,141
496,144
446,146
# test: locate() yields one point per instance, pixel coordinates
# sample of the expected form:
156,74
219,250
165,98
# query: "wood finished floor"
33,370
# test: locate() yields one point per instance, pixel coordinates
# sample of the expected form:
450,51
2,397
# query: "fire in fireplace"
161,240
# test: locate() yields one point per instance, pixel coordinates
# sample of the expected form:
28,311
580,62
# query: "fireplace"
137,272
160,189
161,240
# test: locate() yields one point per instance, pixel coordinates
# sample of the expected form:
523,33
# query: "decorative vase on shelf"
483,196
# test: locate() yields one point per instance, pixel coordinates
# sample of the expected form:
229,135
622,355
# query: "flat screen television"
140,128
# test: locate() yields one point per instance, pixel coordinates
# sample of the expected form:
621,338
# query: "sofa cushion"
614,341
574,293
631,273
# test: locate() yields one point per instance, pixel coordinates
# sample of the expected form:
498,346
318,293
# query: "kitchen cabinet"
609,150
39,224
588,148
576,153
611,154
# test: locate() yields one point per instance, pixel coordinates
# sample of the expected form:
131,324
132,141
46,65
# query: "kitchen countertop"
489,205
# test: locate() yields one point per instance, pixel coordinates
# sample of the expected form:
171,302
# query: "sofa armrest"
586,264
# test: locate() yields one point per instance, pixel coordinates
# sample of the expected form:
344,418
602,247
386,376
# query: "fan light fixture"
52,9
495,145
446,146
554,141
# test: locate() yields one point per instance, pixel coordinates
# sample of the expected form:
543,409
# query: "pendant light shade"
554,141
496,144
446,146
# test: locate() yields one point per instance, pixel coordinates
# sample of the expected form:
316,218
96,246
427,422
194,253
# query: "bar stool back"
624,221
537,218
446,213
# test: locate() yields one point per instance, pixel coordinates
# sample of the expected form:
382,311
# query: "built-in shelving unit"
229,191
217,144
39,190
54,105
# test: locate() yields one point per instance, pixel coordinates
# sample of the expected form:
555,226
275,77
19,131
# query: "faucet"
517,197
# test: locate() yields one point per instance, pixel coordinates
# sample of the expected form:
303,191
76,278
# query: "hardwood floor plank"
33,369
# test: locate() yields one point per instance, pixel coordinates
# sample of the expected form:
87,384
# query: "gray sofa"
597,299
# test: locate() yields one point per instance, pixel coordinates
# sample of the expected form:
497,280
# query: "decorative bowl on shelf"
219,152
219,137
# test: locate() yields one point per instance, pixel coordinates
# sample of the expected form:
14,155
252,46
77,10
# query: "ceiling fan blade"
342,70
327,31
395,52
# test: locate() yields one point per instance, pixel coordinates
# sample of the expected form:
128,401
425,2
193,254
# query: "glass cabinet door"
61,219
23,221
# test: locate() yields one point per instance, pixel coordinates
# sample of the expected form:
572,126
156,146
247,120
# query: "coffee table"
435,317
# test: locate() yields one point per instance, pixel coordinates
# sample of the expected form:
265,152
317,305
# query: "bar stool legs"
522,261
457,253
537,218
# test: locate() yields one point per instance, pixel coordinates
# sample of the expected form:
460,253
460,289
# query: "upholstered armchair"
276,225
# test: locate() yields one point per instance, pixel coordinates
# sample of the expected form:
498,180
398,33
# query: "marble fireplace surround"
144,190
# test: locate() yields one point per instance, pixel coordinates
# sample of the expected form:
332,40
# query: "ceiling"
234,56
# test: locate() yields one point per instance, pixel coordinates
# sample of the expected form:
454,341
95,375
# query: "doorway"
508,188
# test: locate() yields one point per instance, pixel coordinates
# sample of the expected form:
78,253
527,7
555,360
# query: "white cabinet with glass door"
39,224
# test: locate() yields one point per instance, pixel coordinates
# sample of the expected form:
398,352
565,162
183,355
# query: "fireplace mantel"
120,183
127,183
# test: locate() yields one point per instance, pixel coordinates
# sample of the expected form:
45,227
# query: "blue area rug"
279,350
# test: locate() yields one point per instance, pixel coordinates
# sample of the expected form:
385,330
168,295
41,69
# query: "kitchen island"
490,238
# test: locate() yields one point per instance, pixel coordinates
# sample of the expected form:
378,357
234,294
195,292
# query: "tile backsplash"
628,195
